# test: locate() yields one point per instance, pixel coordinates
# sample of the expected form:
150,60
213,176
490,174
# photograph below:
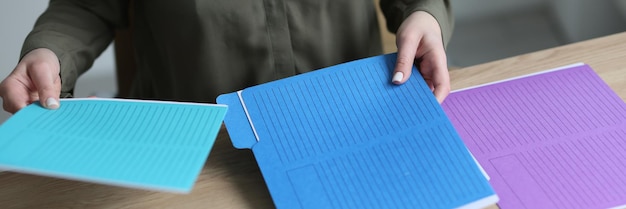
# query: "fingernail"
397,78
52,103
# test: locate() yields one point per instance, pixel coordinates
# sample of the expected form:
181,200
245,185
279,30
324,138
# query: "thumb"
404,61
48,84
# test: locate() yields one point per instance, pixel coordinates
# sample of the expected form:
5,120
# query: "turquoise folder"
141,144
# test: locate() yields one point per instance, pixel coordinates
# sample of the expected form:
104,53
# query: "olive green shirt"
194,50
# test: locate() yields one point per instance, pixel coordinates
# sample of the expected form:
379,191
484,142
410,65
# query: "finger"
442,91
440,77
13,105
17,98
48,84
407,47
430,85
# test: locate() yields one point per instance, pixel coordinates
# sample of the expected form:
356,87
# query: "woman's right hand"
36,77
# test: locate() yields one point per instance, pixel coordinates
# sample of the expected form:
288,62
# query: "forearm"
396,11
77,32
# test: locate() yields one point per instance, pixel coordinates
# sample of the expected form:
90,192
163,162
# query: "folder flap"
236,121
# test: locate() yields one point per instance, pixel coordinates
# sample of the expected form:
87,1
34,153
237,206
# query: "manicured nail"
52,103
397,78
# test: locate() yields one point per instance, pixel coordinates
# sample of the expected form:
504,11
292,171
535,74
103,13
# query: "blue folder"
140,144
346,137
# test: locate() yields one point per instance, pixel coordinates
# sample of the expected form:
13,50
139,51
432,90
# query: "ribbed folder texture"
142,144
552,140
346,137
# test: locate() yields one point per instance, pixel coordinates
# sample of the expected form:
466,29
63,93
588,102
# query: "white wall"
577,19
16,20
621,7
583,19
469,10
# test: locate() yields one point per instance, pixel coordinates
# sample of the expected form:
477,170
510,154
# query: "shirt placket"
280,38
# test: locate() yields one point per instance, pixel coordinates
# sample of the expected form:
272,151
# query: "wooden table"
606,55
231,178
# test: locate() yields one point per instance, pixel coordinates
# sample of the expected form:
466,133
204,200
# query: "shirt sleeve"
77,31
396,11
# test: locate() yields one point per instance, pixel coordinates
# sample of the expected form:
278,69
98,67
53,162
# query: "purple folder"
555,139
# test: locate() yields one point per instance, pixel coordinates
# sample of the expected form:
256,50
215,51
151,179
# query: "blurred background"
486,30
